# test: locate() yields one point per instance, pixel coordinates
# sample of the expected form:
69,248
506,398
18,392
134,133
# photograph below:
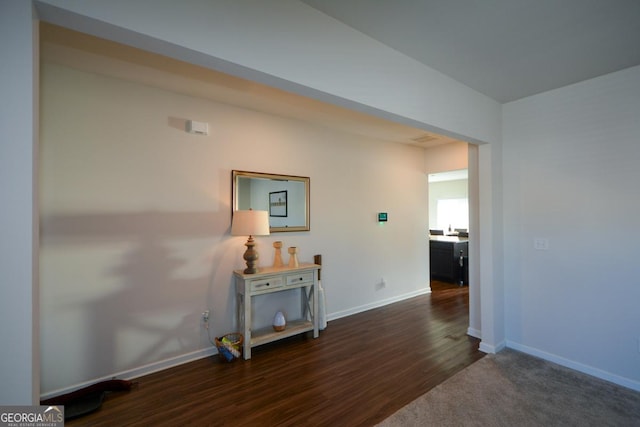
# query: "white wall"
18,233
571,176
183,32
475,256
135,219
325,60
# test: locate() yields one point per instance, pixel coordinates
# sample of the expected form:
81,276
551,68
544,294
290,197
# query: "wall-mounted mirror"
286,198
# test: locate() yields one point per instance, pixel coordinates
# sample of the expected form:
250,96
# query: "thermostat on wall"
382,217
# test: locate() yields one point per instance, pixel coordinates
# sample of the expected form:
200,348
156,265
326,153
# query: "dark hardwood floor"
359,371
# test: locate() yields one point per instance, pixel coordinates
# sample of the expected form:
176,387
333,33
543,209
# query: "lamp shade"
250,223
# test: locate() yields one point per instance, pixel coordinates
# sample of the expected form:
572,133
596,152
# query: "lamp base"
250,256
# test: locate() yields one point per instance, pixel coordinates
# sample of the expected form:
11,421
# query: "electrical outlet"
205,316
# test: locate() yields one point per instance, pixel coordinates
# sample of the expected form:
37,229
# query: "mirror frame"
236,174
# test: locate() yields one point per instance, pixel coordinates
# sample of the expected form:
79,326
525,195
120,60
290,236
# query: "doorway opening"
449,228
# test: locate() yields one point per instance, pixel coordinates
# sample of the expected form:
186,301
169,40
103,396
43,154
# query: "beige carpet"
514,389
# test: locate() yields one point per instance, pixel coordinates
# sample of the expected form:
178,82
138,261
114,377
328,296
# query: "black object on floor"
84,405
88,399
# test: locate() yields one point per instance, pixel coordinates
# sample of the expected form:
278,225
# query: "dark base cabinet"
444,259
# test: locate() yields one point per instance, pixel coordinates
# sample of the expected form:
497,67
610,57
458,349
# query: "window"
452,212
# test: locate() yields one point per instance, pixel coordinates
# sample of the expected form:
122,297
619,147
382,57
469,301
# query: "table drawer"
295,279
265,284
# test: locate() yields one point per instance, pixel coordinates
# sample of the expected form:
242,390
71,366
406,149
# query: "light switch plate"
541,243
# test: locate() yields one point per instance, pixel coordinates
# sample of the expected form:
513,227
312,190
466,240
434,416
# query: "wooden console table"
269,280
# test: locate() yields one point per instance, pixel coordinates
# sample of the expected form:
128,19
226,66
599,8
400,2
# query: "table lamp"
250,223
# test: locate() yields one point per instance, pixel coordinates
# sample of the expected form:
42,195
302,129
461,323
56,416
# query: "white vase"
279,322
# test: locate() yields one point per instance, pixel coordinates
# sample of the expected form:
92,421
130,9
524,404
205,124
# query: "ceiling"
505,49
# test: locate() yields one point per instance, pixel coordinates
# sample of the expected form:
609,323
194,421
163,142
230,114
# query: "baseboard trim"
490,348
377,304
585,369
474,333
139,371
